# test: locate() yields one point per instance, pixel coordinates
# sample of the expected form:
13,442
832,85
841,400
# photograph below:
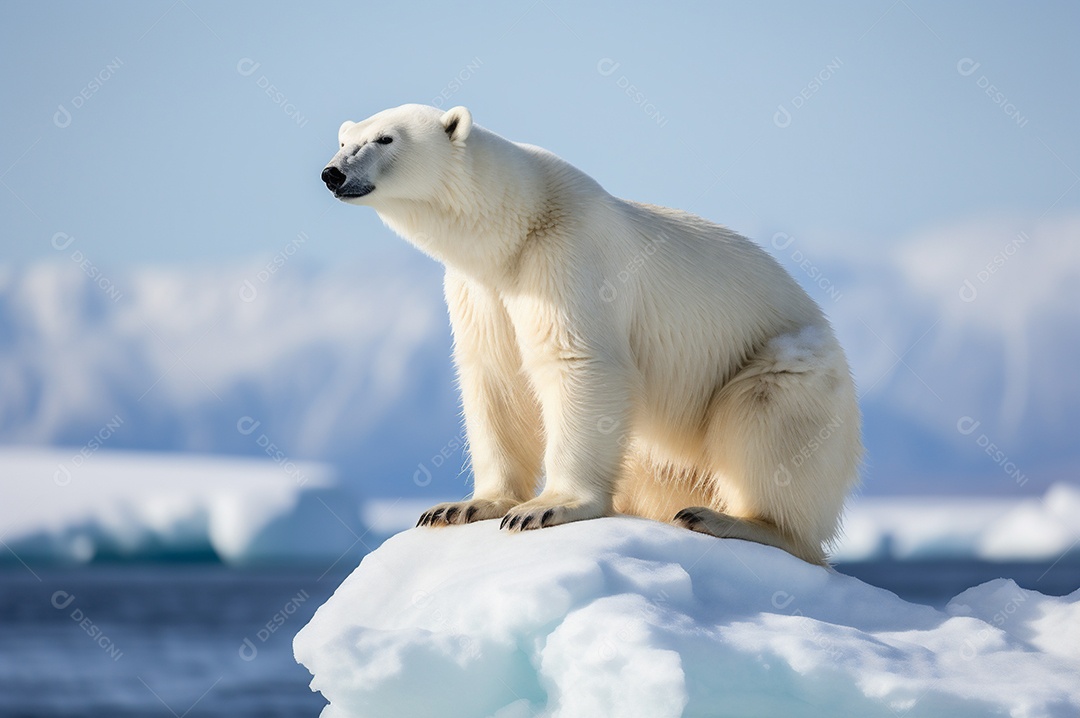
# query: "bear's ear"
457,122
345,127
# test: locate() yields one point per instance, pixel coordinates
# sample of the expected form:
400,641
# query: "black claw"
526,522
514,522
469,513
451,513
436,516
420,521
688,517
506,520
546,517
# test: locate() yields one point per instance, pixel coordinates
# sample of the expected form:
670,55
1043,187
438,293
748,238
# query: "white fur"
644,360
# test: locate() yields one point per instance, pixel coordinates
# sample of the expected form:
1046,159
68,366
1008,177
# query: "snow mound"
62,506
627,617
990,529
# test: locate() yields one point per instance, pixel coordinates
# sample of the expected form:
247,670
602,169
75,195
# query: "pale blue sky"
179,157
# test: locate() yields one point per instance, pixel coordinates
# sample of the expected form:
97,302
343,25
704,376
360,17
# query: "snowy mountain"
963,341
348,366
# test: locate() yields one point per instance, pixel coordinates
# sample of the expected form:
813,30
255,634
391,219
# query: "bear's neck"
481,224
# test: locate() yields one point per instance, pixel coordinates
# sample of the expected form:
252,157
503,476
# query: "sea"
202,640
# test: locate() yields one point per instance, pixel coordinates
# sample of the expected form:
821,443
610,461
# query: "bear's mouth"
353,192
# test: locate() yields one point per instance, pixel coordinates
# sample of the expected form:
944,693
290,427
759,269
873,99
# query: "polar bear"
642,359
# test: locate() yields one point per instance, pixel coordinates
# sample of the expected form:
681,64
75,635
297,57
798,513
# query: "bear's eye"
385,140
342,144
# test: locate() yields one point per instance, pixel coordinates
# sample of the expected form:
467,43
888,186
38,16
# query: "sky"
899,146
194,132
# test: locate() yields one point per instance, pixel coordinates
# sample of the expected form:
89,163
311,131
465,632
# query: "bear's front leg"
502,422
585,404
502,417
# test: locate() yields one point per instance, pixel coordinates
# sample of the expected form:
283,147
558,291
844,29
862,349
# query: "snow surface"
626,617
61,505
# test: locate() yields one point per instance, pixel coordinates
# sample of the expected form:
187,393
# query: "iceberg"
64,506
627,617
1031,528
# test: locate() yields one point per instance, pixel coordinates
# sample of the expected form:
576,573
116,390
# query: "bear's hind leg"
721,525
783,446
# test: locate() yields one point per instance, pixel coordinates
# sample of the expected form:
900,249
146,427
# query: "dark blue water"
936,582
193,640
174,641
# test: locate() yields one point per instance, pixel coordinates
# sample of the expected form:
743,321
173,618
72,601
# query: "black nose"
334,178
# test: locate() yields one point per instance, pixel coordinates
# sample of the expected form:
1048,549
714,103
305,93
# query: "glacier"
627,617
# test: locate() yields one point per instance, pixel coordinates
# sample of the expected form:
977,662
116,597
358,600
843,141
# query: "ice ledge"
626,617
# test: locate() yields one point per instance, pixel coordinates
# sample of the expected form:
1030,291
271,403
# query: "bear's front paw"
543,511
465,512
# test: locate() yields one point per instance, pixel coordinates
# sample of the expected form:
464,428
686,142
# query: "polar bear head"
402,153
